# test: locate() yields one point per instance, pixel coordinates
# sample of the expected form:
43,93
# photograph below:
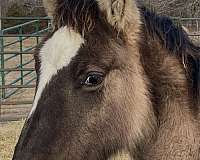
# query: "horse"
114,81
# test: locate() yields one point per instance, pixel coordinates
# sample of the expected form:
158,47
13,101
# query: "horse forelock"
79,15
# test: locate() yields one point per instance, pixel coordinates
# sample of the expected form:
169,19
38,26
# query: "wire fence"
17,73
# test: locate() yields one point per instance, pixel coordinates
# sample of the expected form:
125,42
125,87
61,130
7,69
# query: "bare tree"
182,8
5,4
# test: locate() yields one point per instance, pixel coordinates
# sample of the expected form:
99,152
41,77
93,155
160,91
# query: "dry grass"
9,133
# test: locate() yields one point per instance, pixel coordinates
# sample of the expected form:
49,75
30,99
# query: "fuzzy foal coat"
168,57
148,108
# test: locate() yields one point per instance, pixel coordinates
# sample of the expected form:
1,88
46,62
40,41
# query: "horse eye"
93,79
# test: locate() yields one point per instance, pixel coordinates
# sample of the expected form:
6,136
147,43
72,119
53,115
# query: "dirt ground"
9,133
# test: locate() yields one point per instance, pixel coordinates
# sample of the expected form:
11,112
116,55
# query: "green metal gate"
17,45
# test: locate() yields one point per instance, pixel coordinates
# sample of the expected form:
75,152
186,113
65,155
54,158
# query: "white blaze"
55,54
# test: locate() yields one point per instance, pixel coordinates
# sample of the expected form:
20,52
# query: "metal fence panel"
17,73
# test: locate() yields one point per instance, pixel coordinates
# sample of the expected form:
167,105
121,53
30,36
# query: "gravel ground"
9,133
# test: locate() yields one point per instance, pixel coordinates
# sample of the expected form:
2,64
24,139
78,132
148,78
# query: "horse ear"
49,6
120,13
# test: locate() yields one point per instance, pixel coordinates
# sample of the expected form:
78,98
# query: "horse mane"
176,40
